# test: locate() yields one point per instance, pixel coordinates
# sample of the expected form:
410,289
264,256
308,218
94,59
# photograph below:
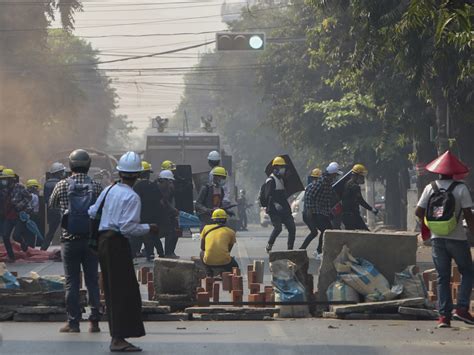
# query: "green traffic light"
255,42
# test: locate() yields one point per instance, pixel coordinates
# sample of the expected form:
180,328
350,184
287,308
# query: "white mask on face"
281,171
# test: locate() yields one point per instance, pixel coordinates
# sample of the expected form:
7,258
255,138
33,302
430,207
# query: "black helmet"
79,159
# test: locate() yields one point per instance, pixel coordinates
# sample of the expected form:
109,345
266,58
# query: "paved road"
302,336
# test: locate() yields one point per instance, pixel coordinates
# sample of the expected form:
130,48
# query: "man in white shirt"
120,220
453,245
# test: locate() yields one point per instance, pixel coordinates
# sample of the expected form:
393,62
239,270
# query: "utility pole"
370,198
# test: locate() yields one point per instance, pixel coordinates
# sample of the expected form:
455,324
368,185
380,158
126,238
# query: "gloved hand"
375,211
278,207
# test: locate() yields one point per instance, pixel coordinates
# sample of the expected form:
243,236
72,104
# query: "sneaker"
462,314
444,322
268,248
68,328
94,326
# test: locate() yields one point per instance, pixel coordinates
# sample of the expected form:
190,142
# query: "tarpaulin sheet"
30,255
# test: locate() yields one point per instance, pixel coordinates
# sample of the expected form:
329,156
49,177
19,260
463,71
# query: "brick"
237,296
254,288
236,271
151,291
14,273
226,281
251,278
455,275
144,270
269,295
261,298
203,299
101,283
254,297
215,292
429,275
249,268
209,281
150,276
433,286
200,289
259,267
237,283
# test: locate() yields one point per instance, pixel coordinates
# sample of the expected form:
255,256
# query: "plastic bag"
340,291
412,282
362,276
285,281
7,280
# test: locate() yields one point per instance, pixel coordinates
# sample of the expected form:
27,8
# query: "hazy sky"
146,94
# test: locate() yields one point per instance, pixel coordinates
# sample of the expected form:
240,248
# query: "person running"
309,218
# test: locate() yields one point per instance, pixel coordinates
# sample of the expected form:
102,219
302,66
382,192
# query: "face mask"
3,183
221,183
281,171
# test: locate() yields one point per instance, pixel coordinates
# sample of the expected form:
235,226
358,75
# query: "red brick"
237,283
151,291
455,275
253,297
251,278
237,296
150,276
254,288
429,275
268,293
101,283
261,298
200,289
215,292
236,271
203,299
249,268
433,286
209,281
226,281
144,270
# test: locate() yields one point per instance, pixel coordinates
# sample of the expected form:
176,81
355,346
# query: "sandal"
126,349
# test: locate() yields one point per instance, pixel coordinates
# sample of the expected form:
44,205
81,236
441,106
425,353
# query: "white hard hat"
214,156
334,168
130,162
57,167
166,174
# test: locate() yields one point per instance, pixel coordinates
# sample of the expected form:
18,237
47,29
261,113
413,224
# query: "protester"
74,196
168,214
352,199
242,207
319,201
33,187
119,207
217,241
277,205
441,206
211,196
309,218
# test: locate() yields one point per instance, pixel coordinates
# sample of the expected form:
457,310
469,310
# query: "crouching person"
217,241
119,209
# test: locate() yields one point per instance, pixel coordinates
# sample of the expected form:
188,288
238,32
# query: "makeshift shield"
292,180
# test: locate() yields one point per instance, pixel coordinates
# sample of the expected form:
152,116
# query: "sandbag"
362,276
412,282
340,291
7,280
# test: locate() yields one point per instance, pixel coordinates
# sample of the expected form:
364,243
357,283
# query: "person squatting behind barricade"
211,196
217,241
57,172
118,208
275,200
319,200
440,207
15,200
73,196
352,199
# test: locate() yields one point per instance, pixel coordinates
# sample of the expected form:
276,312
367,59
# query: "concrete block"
380,307
389,252
173,276
234,317
170,317
259,267
230,309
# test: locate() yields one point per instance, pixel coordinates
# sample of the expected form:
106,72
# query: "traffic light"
243,41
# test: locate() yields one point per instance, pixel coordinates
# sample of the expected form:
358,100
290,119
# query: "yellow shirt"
217,244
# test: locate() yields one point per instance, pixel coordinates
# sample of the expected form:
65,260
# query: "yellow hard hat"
219,171
168,165
8,173
219,214
32,183
2,167
359,169
316,172
278,161
146,166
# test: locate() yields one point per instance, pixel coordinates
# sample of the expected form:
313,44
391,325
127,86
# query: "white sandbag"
340,291
362,276
412,282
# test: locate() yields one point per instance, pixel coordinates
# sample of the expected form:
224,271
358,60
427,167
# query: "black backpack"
262,199
440,215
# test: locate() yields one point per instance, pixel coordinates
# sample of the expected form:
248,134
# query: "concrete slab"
389,252
175,277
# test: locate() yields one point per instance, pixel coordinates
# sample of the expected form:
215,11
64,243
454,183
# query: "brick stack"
257,293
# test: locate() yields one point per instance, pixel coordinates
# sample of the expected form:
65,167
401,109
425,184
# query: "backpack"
262,199
80,197
440,215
